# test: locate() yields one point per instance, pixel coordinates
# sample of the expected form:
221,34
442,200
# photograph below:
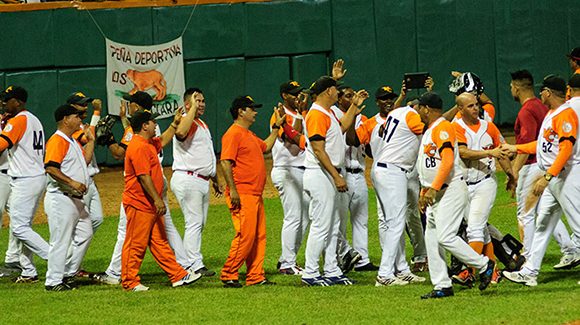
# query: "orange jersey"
128,135
488,113
65,154
141,159
246,152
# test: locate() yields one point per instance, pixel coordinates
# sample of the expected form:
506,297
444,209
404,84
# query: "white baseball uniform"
194,163
321,191
13,250
287,176
445,214
559,129
23,136
68,218
415,228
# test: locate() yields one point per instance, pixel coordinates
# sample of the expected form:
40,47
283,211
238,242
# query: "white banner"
156,69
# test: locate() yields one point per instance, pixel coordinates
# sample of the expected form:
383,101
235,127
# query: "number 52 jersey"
25,137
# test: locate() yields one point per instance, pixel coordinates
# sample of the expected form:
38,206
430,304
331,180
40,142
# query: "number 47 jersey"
25,137
394,139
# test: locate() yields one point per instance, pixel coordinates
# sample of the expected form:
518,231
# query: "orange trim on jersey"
127,136
528,148
365,130
490,109
317,123
443,135
414,123
14,130
302,142
444,169
495,134
56,149
565,125
459,133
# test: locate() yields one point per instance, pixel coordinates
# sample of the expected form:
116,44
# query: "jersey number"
430,162
547,147
37,140
385,129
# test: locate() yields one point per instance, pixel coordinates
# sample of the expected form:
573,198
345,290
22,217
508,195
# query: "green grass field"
555,300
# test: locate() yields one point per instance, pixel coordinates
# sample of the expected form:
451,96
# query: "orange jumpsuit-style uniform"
144,226
245,150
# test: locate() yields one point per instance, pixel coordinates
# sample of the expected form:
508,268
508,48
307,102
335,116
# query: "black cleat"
232,284
485,276
445,292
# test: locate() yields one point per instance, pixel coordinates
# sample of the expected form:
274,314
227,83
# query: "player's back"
27,155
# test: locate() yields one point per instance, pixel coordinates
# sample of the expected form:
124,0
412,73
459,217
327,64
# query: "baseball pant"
480,201
443,220
146,229
391,188
414,225
192,193
93,202
13,250
24,197
289,183
527,219
355,201
561,195
249,243
68,220
401,265
324,223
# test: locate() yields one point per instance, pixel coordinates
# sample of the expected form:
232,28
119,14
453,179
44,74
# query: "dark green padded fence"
252,48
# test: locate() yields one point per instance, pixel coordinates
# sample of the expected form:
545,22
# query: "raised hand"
338,70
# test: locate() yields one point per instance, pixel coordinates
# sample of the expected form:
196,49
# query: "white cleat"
191,277
107,279
389,282
518,277
140,288
410,277
568,261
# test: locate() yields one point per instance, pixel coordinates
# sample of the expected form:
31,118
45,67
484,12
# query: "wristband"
275,127
290,132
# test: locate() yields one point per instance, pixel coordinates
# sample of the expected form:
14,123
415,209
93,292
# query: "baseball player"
526,169
68,218
23,137
479,144
393,135
323,181
287,176
242,159
145,208
142,101
558,157
444,199
194,164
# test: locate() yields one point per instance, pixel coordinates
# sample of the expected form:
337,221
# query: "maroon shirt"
528,123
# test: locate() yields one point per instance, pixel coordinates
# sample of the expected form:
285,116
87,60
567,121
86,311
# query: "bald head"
464,99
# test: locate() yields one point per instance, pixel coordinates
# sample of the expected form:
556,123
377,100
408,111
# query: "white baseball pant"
192,193
561,195
24,197
13,250
355,201
93,201
68,220
414,225
443,220
289,183
527,219
324,223
401,265
481,197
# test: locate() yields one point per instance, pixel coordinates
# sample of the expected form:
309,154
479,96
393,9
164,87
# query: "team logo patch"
444,135
8,128
128,137
430,149
567,127
550,135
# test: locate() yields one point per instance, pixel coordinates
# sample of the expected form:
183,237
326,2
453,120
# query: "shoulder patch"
8,128
567,127
128,136
444,135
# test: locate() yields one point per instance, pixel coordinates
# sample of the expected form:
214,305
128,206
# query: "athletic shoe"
417,267
140,288
293,270
315,282
496,277
69,281
26,279
464,278
367,267
205,272
59,287
445,292
188,279
264,282
107,279
232,284
339,280
9,272
518,277
349,261
486,275
85,274
410,277
389,282
13,265
568,261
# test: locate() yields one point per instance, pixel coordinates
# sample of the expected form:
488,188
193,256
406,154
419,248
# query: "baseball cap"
574,54
16,92
291,87
141,117
243,102
140,98
322,84
554,82
64,111
385,92
574,81
78,98
431,99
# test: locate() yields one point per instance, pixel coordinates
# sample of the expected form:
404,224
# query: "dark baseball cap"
322,84
15,92
140,98
574,81
64,111
243,102
574,54
431,99
78,98
291,87
140,117
385,92
554,82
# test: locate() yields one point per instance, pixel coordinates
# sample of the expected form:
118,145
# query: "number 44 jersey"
25,137
394,139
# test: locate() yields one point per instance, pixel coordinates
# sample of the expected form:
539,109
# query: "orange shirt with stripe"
12,132
246,152
317,123
445,148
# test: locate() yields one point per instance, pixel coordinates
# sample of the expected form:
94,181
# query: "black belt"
205,178
354,170
384,165
300,167
479,181
80,197
4,171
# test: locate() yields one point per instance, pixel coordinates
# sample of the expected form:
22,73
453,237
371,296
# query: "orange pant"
146,229
249,244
